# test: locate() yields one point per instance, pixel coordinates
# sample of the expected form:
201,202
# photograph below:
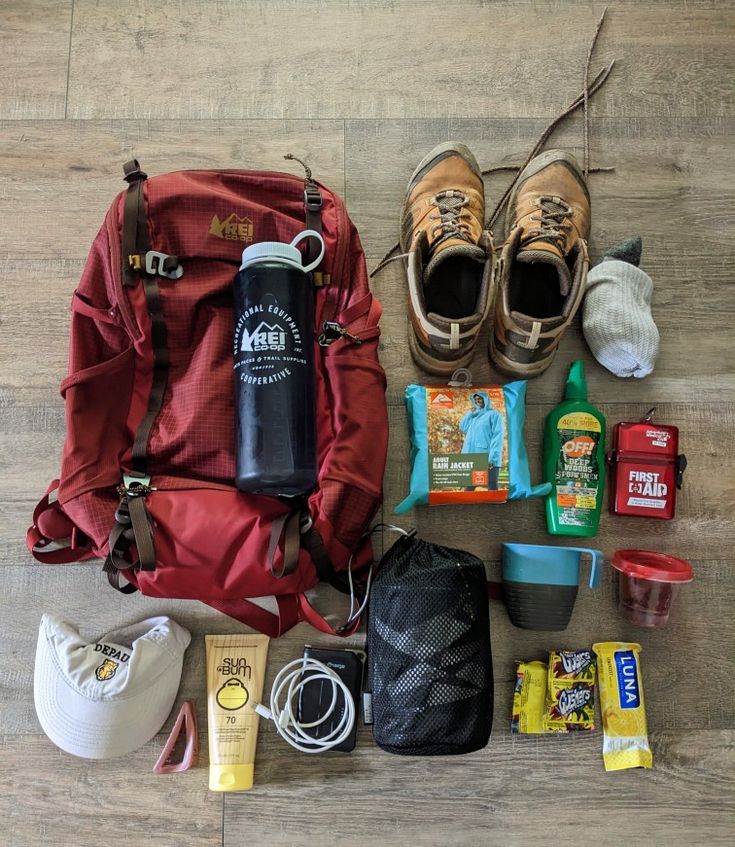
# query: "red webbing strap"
261,619
72,552
309,614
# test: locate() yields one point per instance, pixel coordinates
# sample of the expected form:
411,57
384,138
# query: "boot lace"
449,224
553,222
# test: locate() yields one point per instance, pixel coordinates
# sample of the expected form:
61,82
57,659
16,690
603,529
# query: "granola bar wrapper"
529,699
622,705
570,705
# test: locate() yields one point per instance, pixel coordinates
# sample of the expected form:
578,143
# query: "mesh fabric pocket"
430,667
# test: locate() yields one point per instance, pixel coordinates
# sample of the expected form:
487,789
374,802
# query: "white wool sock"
617,320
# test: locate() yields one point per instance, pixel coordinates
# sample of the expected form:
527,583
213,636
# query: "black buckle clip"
132,172
312,198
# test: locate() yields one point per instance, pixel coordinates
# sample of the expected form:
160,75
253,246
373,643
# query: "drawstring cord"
307,169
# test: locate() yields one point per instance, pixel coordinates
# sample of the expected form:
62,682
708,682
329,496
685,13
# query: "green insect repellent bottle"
574,461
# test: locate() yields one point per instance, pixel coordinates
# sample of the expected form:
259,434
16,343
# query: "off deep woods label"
577,476
268,345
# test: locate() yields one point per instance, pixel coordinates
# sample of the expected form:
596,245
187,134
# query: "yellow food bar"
529,697
622,705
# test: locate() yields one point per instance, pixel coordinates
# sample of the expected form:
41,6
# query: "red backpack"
148,464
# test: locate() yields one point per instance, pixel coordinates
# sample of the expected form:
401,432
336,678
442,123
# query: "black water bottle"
275,404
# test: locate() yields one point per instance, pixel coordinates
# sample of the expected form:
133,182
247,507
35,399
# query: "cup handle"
598,561
310,233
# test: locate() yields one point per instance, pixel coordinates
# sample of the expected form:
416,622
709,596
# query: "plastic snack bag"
529,698
570,704
623,707
467,445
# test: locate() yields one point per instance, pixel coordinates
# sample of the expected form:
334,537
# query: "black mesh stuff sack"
429,661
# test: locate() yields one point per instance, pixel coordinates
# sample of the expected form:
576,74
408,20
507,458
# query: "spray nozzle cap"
576,385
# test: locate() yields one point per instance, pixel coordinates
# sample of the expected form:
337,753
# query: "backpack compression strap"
132,520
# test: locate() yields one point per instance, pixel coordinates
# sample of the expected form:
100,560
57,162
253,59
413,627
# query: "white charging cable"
356,609
289,682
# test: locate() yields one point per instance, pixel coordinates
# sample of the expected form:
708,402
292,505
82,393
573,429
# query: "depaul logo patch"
106,670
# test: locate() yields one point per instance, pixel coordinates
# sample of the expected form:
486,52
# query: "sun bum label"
577,477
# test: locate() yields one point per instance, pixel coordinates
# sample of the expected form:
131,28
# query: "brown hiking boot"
449,258
543,267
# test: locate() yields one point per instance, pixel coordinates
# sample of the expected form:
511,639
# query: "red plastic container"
648,584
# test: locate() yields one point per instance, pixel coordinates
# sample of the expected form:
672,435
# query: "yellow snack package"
570,703
529,698
622,705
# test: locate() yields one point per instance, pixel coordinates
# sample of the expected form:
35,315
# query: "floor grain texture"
362,90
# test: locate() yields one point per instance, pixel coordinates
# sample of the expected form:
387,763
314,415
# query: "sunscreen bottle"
235,674
574,461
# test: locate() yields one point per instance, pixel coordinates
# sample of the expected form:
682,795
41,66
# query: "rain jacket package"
467,445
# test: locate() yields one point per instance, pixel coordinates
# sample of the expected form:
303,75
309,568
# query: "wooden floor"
362,90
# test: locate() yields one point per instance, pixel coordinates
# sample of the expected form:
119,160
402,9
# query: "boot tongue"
545,252
452,248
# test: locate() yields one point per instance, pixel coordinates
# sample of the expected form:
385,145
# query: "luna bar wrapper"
623,708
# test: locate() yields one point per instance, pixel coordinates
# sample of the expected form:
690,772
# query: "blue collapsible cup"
540,583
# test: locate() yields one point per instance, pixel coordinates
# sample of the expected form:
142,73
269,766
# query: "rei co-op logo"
264,337
268,345
232,228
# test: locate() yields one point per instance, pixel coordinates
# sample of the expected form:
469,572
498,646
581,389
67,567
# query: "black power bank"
316,698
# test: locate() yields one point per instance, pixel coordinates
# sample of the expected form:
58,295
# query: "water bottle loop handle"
310,233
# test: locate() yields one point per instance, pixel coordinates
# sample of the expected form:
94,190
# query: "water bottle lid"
280,252
276,250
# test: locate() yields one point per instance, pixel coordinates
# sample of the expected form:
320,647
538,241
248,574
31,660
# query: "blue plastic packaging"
460,463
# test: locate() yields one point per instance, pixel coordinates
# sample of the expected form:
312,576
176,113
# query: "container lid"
657,567
273,250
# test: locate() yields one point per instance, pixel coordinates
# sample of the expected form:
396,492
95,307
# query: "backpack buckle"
155,263
136,484
162,264
312,198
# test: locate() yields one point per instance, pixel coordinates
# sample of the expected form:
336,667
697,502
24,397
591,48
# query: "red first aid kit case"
646,469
